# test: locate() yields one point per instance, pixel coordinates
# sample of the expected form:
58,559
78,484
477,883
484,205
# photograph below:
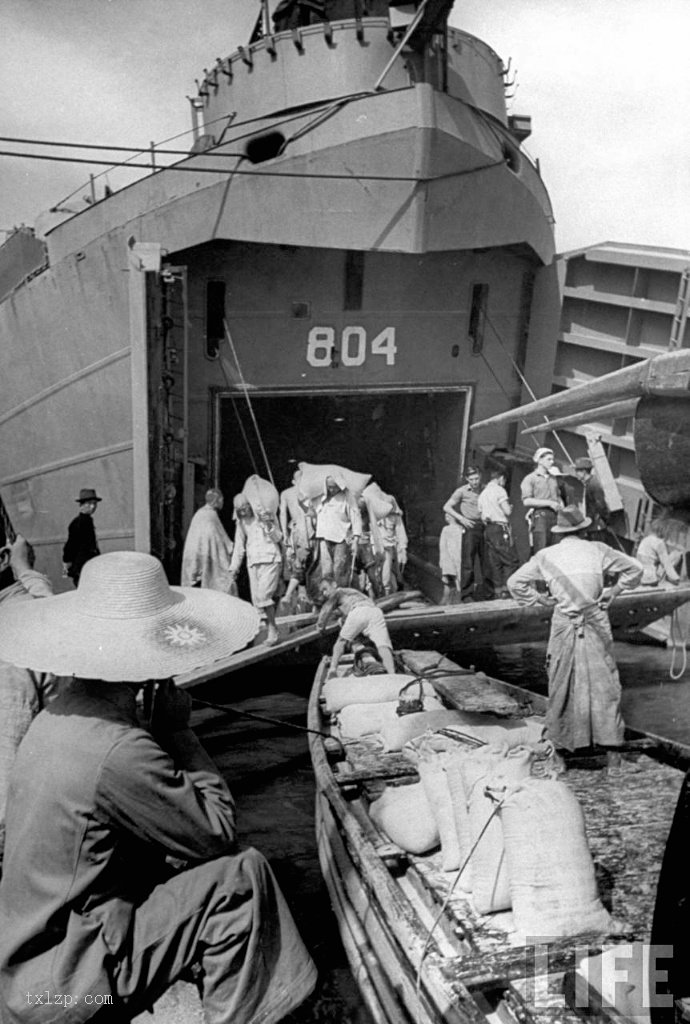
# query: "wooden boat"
480,624
417,949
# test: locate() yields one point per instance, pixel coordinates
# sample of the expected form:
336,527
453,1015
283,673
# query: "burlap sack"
395,735
311,482
516,732
357,720
338,693
552,882
404,814
261,495
378,502
432,772
496,766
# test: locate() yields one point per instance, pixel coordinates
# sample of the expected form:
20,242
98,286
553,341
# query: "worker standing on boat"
500,557
122,868
584,706
595,505
463,507
338,528
361,617
81,544
541,497
298,533
258,539
207,548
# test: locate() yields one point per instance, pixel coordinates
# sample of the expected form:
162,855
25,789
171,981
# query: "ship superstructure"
355,258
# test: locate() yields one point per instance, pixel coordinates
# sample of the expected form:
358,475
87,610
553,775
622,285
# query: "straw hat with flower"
125,623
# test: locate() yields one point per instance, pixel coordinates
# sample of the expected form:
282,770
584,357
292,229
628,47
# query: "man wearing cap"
595,499
122,869
500,557
541,497
584,688
463,508
81,544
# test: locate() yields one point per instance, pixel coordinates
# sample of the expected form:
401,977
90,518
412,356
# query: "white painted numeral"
353,346
320,346
384,345
361,351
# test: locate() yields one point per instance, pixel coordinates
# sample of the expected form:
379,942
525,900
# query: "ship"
352,259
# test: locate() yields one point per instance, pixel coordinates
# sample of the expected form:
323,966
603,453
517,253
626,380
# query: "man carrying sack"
121,863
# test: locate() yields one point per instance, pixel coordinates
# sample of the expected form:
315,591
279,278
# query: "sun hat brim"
62,635
571,529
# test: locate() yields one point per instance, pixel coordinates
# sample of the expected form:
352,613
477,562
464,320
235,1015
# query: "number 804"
354,346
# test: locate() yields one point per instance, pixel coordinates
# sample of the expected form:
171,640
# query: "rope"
525,383
456,879
678,641
228,709
248,447
248,400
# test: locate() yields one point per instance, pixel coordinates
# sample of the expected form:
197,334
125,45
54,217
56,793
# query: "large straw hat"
570,519
125,623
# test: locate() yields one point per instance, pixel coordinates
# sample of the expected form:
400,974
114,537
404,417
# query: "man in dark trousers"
122,869
463,507
81,542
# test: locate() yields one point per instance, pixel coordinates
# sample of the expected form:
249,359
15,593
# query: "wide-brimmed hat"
88,494
125,623
582,463
540,452
570,519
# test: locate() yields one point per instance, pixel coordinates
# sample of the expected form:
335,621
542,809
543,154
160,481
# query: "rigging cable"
248,400
525,383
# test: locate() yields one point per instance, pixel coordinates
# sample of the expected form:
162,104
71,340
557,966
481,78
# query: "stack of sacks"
311,482
494,767
358,720
487,728
337,693
552,882
261,495
404,814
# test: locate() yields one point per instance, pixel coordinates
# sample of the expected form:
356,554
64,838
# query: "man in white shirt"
338,529
500,557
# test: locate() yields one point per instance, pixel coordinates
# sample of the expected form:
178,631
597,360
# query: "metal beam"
667,375
613,411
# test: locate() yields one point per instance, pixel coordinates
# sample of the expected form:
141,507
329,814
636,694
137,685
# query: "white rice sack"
434,780
338,693
378,502
312,479
357,720
261,495
515,732
395,735
461,814
552,882
404,814
499,767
